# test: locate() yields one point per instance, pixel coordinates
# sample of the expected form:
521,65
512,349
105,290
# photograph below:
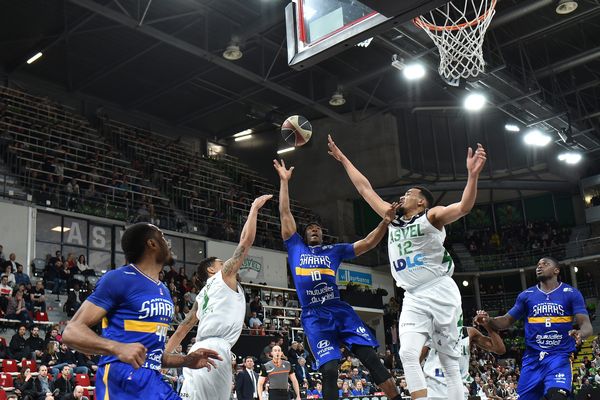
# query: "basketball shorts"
542,372
330,325
434,309
216,384
120,381
437,390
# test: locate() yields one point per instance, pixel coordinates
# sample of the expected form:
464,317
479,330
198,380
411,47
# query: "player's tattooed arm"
360,182
232,266
585,328
492,343
183,329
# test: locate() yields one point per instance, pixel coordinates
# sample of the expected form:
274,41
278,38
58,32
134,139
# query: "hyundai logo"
322,344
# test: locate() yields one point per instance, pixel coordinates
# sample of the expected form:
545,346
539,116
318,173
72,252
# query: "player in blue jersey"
135,309
328,321
550,308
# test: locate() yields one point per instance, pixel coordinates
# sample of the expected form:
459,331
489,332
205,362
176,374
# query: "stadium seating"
6,381
10,366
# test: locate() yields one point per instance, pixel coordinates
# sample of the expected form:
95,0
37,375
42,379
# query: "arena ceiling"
164,58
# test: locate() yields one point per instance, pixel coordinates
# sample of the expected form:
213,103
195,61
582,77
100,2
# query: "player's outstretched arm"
440,216
360,182
232,266
497,324
295,385
260,386
375,236
80,337
492,343
585,328
288,224
200,358
183,329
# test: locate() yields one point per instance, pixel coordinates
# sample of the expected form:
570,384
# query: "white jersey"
432,368
416,251
221,311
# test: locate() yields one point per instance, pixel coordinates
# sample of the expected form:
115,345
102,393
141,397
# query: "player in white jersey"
219,309
434,375
419,263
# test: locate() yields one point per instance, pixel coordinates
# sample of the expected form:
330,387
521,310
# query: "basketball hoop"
458,30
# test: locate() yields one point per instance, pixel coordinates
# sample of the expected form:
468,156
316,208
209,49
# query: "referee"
278,371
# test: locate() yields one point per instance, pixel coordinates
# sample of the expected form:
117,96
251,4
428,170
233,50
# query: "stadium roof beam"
212,58
568,63
518,11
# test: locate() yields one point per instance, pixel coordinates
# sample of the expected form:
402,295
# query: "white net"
458,30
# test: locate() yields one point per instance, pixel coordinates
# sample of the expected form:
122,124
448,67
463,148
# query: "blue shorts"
329,326
539,374
120,381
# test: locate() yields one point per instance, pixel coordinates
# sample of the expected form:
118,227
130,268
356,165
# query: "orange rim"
424,25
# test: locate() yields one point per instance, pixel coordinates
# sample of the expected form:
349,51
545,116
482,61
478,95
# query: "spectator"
35,343
18,345
76,395
38,296
359,390
65,384
265,356
8,271
12,257
72,358
5,293
302,373
52,335
403,388
45,385
50,356
254,322
16,309
255,306
21,278
293,356
4,352
178,315
345,390
316,392
62,275
81,263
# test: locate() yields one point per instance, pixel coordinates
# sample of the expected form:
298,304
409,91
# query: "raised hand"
481,318
284,174
390,213
334,151
132,353
574,333
476,160
202,358
260,201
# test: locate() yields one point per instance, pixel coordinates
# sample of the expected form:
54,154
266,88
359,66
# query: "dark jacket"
244,388
64,386
301,375
35,343
18,347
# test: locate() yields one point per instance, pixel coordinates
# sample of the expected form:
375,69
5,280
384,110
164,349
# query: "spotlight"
570,157
465,283
474,102
536,138
286,150
232,53
413,71
242,138
34,58
512,128
576,269
337,99
243,133
566,6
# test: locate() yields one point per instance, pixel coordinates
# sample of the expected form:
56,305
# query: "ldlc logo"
322,344
408,262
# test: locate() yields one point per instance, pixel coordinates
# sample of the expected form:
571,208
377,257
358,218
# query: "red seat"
2,395
83,380
31,364
41,316
6,381
10,366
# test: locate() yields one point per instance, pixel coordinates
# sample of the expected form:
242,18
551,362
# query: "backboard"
319,29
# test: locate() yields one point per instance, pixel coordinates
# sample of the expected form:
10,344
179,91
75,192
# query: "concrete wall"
17,224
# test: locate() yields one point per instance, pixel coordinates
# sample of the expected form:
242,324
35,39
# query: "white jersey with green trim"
221,310
416,251
432,368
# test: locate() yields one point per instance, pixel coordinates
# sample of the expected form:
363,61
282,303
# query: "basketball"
296,130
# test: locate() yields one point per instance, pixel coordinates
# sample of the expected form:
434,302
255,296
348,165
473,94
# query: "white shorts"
216,384
437,390
436,310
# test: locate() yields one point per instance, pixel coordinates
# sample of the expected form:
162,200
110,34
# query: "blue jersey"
314,269
549,318
138,308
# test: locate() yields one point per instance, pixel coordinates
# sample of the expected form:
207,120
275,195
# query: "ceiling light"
59,228
337,99
242,138
286,150
243,133
474,102
570,157
512,128
413,71
465,283
576,269
566,6
232,53
536,138
34,58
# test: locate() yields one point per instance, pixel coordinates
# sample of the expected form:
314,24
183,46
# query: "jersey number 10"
315,275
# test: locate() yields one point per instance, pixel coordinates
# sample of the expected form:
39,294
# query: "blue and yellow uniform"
139,309
327,320
548,319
